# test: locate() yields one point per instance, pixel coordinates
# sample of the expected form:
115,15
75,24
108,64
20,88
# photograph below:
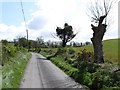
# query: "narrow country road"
41,73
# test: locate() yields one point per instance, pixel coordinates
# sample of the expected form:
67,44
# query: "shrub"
71,51
7,52
83,56
96,76
61,51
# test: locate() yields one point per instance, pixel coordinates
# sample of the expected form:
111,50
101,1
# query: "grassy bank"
96,77
13,70
110,48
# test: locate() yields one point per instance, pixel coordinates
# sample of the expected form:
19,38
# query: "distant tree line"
40,43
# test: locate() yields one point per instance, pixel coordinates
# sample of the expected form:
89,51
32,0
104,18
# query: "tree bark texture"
97,42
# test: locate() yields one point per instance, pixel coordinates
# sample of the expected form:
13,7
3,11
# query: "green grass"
13,71
63,65
110,48
67,68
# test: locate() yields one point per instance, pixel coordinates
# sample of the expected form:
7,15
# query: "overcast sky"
43,16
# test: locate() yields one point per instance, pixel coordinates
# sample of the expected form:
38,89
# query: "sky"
43,17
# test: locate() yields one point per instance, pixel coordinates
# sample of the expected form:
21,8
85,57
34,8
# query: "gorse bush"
37,50
7,52
83,57
14,61
61,51
71,51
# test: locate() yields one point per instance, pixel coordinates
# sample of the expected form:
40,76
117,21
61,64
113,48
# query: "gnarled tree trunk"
99,11
97,42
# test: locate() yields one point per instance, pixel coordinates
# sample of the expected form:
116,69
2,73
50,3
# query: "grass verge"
68,69
13,71
85,77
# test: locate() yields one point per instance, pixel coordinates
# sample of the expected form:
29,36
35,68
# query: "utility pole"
25,24
27,39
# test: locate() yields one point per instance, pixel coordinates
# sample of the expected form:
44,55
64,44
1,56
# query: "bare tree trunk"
99,11
97,42
63,43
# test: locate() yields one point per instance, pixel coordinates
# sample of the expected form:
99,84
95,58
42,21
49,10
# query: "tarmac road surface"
42,73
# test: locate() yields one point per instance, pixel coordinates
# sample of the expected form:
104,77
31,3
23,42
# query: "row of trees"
40,43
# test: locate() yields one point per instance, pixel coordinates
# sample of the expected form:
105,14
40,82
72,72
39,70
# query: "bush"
7,52
83,56
61,51
71,51
12,72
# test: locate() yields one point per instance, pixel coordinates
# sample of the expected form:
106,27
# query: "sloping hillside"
110,49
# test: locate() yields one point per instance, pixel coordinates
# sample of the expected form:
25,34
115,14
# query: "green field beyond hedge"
110,48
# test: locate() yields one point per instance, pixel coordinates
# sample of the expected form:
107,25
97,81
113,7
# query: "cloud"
74,12
58,12
37,23
9,32
17,0
53,13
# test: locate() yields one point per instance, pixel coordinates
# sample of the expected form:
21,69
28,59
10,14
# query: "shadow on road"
42,58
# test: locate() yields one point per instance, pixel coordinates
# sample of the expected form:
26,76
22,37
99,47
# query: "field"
110,48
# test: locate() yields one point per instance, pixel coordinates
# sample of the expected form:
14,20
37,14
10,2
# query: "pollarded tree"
66,34
99,12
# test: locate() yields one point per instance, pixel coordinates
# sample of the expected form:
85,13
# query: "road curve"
41,73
